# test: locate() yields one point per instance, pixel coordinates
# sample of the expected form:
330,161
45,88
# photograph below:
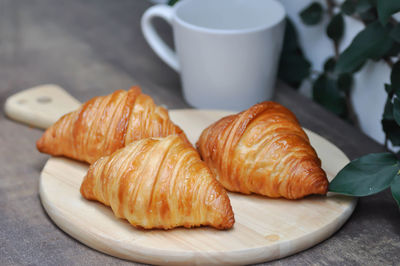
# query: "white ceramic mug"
227,51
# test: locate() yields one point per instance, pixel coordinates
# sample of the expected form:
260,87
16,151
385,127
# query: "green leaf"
348,7
395,75
329,64
388,111
384,49
363,6
290,39
366,175
388,89
395,188
368,16
371,42
386,8
345,82
392,131
293,66
312,14
395,33
172,2
396,111
335,28
326,93
394,50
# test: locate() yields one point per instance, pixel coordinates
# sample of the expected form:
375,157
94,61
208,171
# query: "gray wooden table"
94,47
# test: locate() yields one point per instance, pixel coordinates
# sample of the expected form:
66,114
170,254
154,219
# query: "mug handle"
154,40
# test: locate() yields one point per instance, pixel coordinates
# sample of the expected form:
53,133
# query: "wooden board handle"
40,106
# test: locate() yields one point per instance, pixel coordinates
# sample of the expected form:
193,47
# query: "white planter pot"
368,95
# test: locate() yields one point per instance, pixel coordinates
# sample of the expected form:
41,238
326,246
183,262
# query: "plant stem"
393,21
389,62
331,5
352,115
316,72
351,111
336,49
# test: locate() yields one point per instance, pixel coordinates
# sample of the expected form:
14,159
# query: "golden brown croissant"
106,123
263,150
159,183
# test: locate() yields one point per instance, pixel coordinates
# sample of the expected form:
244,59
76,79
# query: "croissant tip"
81,190
227,222
136,88
230,222
40,144
86,189
321,188
228,219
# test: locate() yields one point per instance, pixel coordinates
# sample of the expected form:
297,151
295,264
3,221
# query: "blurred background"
308,57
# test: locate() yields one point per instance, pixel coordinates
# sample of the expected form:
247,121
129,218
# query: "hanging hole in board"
43,99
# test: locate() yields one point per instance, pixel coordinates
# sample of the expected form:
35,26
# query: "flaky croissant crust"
263,150
159,183
106,123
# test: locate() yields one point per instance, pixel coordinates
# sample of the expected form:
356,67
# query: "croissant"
159,183
263,150
105,124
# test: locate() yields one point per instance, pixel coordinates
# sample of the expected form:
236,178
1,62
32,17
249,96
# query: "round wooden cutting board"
265,228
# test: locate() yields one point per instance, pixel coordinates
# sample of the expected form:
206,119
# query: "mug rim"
227,31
